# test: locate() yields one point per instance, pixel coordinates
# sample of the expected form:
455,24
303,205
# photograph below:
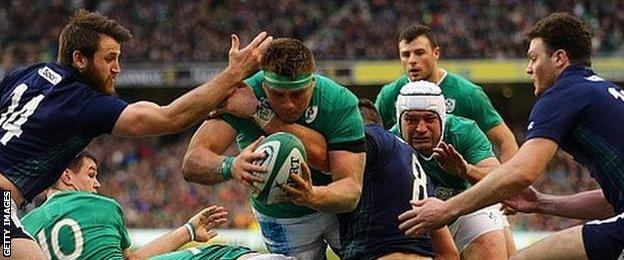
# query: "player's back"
47,115
80,225
584,114
392,178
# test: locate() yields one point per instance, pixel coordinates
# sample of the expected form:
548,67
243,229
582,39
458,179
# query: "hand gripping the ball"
206,220
301,189
243,168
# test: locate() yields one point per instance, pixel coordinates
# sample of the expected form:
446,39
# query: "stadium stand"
169,31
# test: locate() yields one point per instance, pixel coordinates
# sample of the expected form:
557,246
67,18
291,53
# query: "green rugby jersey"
333,112
470,142
208,252
79,225
463,98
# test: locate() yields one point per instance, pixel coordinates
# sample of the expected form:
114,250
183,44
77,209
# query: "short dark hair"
369,112
410,33
77,162
288,57
82,33
562,31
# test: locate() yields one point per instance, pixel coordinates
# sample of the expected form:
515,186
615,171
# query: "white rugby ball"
284,154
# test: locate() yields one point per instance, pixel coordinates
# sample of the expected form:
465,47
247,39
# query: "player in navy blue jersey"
50,111
577,111
392,178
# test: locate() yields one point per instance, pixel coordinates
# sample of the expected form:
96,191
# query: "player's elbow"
354,198
189,168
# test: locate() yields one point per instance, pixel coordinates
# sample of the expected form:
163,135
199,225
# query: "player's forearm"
475,174
164,244
202,166
505,181
507,149
584,205
314,142
196,104
338,197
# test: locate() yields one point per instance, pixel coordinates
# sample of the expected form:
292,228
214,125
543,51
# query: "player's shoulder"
331,95
458,125
459,83
92,200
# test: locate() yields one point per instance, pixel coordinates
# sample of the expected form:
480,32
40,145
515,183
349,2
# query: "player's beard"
96,81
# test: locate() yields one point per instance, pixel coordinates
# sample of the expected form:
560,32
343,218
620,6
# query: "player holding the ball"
286,96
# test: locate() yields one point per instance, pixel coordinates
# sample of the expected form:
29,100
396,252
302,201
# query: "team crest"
444,193
450,105
311,114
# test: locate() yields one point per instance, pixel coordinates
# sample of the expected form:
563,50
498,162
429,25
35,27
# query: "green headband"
275,80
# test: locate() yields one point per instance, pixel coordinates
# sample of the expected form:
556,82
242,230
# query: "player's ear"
79,60
66,177
560,57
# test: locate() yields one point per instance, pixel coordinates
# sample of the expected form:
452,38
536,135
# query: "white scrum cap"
421,95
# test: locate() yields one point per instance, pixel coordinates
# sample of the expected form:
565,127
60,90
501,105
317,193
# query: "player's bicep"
346,164
142,119
215,135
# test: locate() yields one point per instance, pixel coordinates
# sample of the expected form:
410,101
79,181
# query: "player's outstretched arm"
585,205
204,163
505,181
199,228
443,245
144,118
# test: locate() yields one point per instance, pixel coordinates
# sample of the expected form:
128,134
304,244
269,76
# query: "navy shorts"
604,239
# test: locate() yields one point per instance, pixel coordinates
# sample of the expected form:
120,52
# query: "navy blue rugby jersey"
584,114
48,115
392,178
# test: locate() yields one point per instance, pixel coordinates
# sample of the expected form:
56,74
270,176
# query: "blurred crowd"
167,31
144,176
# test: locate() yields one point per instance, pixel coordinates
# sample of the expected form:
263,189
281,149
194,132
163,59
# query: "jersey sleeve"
118,221
483,111
347,124
555,113
474,145
99,113
385,106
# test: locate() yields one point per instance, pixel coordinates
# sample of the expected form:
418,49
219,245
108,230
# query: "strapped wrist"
226,167
191,229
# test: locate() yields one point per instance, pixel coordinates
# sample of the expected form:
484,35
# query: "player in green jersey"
75,222
287,96
424,124
419,54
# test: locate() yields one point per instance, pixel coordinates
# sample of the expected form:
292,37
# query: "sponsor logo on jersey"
50,75
594,78
530,125
450,105
311,113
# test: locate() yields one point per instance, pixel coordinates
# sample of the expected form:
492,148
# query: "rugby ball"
284,154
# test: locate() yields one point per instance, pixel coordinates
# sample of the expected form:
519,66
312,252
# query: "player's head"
92,43
80,175
556,42
418,52
369,112
288,67
421,114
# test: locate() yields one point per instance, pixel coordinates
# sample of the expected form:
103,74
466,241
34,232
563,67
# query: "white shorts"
469,227
306,237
